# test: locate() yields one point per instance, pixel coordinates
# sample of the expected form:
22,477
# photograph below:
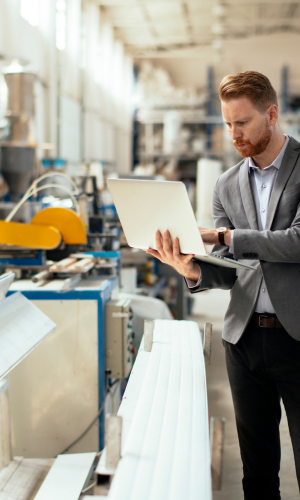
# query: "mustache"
237,142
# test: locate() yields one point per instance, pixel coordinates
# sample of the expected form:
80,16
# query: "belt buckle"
261,316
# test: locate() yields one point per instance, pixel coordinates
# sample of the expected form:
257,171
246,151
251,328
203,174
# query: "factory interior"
113,381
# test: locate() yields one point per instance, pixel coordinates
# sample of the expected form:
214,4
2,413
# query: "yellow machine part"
25,235
65,221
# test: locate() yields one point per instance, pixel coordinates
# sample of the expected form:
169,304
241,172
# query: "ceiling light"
218,45
219,10
217,29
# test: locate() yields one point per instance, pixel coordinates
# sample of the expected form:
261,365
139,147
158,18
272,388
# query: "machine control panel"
118,338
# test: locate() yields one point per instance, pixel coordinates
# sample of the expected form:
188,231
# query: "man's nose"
236,133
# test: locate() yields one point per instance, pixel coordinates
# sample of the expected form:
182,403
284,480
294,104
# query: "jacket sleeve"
216,276
269,246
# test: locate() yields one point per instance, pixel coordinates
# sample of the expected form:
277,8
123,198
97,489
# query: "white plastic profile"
165,444
23,326
67,477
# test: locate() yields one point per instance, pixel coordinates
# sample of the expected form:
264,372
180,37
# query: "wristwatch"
221,232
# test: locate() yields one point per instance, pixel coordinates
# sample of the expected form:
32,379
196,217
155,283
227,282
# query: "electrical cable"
88,428
46,186
118,380
33,189
112,400
88,488
108,391
115,381
50,174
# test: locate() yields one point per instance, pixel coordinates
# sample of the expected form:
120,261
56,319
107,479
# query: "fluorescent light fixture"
61,24
29,10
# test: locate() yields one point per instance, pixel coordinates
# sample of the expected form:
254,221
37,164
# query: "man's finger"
154,253
188,258
176,249
158,241
166,243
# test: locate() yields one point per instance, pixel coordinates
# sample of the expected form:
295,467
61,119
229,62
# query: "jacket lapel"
246,194
287,166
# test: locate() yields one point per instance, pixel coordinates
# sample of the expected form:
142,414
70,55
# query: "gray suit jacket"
275,252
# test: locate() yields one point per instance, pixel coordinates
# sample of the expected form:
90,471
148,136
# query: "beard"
253,149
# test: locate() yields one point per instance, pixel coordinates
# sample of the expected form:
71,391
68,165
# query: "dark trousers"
263,368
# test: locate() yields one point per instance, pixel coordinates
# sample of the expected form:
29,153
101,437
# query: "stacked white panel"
165,452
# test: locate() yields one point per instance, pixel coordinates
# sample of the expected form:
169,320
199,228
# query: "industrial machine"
18,152
59,272
52,235
36,231
57,394
66,375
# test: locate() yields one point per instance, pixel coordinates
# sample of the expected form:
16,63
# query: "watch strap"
222,238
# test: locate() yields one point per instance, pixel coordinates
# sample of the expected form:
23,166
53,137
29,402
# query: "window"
61,24
29,9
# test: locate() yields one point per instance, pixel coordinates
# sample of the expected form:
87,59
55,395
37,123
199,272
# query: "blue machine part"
46,162
101,295
105,255
53,162
108,211
40,260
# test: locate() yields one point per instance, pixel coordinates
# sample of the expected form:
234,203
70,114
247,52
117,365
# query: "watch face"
222,229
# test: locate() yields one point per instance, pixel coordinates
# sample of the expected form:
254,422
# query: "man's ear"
272,112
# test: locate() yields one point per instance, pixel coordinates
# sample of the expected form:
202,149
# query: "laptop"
145,206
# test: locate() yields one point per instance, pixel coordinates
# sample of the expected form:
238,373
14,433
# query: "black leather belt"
266,321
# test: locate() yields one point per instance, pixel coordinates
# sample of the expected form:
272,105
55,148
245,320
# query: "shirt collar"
277,162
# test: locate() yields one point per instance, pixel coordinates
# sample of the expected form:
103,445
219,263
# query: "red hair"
251,84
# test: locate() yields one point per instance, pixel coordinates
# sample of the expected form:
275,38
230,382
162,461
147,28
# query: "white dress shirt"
262,182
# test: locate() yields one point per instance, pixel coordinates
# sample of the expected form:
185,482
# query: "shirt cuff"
193,284
231,248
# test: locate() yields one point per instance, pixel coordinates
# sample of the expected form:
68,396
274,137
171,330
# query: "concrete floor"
210,306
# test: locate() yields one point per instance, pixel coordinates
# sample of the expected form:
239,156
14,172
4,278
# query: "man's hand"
183,264
211,237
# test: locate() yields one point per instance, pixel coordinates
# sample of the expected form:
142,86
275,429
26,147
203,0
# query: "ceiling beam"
148,19
291,9
207,3
206,42
187,20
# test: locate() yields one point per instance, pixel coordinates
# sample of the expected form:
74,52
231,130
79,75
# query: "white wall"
107,91
83,93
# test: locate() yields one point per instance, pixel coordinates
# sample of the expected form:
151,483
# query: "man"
257,203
